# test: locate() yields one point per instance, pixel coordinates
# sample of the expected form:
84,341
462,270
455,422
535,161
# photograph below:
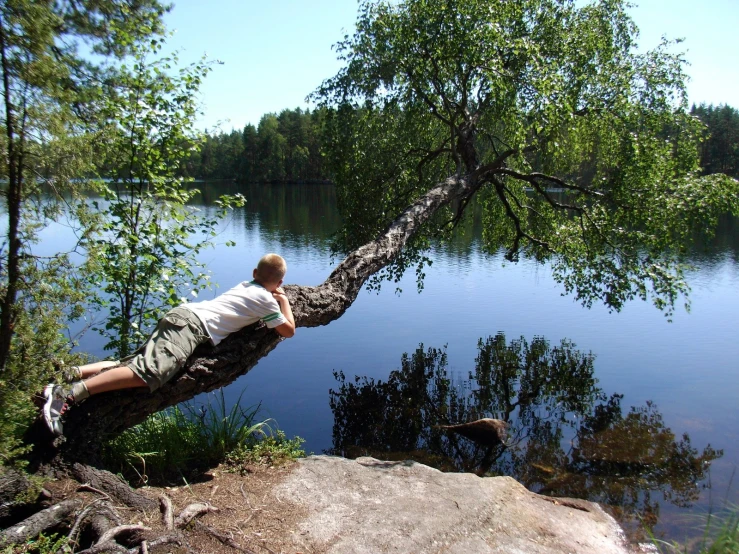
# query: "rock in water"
486,431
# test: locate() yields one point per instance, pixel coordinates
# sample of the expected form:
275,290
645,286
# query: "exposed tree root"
222,537
111,485
74,531
19,498
191,512
174,538
31,527
165,505
12,484
97,526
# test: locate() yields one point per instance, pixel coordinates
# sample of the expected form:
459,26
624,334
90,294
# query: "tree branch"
496,165
512,253
533,177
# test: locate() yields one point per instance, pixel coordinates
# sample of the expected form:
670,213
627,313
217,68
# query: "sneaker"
54,407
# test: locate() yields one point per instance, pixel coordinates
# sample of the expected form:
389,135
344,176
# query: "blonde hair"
271,269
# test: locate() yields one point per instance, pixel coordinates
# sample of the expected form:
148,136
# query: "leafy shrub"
275,449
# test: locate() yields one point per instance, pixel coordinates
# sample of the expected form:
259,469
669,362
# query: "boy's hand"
286,329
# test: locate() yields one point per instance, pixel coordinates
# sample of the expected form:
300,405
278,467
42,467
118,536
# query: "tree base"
93,510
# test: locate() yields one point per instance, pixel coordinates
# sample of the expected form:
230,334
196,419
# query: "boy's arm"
287,329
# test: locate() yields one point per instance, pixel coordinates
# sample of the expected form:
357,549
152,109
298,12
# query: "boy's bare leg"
114,379
88,370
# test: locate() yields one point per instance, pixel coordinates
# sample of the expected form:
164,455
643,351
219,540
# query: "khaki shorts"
167,349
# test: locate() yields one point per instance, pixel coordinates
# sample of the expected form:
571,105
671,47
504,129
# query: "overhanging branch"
512,253
534,177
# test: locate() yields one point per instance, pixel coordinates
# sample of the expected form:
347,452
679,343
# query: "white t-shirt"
246,303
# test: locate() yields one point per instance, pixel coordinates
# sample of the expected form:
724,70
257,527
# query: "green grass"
185,439
720,536
224,431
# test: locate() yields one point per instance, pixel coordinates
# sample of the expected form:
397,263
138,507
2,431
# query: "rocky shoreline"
371,506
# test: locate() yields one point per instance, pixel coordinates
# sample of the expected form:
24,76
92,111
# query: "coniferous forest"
720,151
286,148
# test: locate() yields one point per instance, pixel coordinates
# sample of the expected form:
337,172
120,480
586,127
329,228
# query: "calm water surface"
647,424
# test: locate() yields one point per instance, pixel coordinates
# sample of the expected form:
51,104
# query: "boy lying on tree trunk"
175,338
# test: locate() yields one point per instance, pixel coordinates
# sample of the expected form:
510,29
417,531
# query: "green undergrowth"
184,441
42,544
21,387
275,449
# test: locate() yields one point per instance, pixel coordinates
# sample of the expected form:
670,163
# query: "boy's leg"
88,370
76,373
173,340
114,379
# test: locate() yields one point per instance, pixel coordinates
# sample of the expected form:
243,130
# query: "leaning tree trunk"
210,368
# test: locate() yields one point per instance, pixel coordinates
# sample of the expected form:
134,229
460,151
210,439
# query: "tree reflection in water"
566,437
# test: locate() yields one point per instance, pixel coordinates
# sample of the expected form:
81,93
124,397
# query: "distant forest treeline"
286,148
720,153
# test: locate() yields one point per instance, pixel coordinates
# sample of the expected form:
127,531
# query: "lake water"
664,451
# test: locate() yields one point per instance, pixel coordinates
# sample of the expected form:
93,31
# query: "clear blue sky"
275,52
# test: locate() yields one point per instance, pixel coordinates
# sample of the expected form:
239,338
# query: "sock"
71,374
79,391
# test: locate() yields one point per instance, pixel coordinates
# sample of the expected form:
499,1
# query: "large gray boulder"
370,506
